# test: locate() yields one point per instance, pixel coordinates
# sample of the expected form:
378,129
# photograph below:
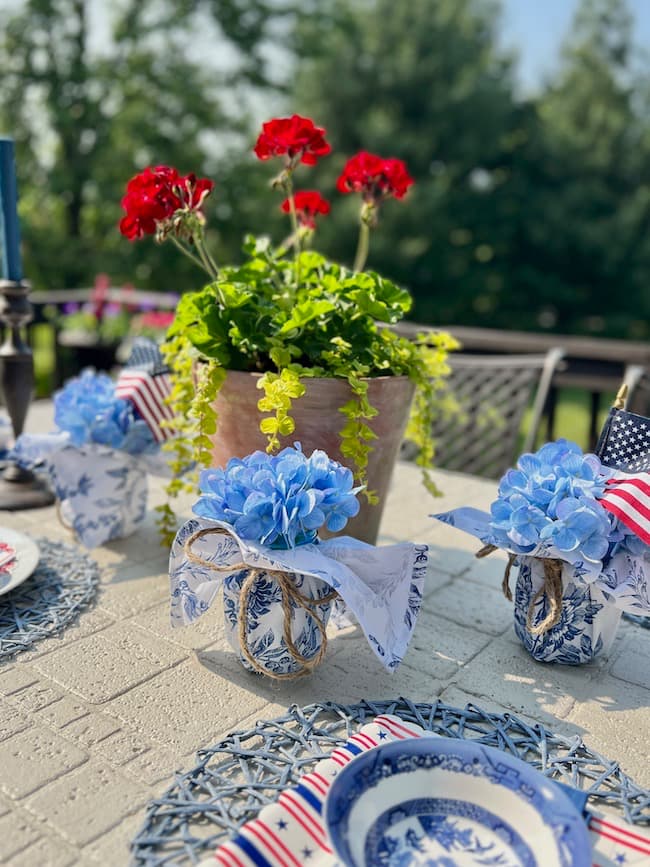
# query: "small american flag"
624,447
145,382
145,355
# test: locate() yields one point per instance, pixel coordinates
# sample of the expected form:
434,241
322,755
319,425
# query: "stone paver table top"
94,722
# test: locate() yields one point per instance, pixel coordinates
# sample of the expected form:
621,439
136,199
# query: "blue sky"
536,28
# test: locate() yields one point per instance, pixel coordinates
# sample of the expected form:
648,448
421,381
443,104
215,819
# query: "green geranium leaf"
304,313
235,294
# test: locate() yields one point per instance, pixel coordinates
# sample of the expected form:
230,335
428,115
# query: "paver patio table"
94,722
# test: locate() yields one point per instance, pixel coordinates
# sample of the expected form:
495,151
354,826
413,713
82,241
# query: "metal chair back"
637,379
491,394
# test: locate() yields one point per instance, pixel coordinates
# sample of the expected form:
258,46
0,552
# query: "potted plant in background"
148,323
89,334
290,346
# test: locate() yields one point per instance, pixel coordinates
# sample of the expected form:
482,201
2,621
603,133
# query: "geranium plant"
287,312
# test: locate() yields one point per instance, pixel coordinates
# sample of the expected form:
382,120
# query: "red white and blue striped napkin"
290,832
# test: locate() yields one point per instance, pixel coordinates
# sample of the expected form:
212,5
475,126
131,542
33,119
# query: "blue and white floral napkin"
624,580
102,492
381,586
290,832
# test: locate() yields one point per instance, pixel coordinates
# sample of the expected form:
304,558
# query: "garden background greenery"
529,212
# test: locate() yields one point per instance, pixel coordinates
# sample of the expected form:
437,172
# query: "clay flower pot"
318,423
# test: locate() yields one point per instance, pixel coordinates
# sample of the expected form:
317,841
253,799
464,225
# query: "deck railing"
595,365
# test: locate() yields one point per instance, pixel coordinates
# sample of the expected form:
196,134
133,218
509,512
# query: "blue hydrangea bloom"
622,538
88,410
551,497
279,500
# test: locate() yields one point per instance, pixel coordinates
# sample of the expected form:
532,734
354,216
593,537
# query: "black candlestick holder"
19,488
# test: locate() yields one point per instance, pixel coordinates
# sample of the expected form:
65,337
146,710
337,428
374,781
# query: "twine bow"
64,523
290,593
551,587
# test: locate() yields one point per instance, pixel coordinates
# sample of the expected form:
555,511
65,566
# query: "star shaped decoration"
382,736
282,825
307,852
620,858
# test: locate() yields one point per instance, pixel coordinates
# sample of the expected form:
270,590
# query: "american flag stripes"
145,382
624,447
148,394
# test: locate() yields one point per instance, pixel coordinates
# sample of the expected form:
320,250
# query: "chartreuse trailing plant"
287,312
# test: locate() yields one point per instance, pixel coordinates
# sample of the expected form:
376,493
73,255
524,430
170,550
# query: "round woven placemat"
238,776
63,583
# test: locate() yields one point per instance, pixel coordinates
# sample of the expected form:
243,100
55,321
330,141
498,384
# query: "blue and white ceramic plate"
19,565
441,802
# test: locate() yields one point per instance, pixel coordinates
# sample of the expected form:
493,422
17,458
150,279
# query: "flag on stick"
624,447
145,382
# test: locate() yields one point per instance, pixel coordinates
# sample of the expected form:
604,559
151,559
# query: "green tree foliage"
584,253
87,117
526,213
422,81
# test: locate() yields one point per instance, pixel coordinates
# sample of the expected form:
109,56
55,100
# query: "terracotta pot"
318,423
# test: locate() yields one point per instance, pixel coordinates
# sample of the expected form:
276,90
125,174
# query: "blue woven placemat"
63,583
234,779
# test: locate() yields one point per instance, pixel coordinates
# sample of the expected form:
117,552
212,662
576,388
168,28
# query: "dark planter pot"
72,358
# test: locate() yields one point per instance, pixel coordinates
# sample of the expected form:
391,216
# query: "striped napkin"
290,832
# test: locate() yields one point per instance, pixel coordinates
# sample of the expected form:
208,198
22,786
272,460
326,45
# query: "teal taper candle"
9,228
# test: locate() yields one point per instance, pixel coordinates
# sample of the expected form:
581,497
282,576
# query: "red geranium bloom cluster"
295,137
157,319
375,177
308,203
154,196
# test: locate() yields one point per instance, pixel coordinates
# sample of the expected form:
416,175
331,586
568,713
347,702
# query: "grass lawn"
42,343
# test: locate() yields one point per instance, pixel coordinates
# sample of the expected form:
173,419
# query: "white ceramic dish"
24,563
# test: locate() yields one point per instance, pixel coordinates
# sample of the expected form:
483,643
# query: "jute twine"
65,524
551,587
290,594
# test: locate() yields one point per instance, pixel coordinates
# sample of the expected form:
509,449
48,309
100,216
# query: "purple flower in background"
279,500
71,307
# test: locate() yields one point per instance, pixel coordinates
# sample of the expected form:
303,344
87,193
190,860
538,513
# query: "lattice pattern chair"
637,379
491,394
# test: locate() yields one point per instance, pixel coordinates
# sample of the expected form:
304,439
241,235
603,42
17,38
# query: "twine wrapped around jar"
551,588
290,594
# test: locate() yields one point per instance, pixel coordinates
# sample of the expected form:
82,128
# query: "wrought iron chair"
637,380
480,434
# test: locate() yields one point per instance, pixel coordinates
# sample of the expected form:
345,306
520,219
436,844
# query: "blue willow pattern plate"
428,802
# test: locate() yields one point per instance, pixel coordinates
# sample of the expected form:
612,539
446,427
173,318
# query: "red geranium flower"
375,177
295,136
156,319
155,195
309,203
